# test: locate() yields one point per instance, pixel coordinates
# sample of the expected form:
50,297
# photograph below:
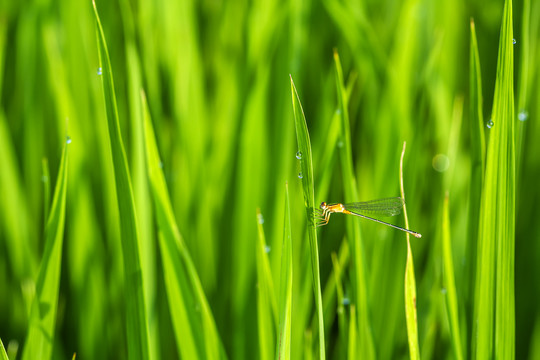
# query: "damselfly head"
323,205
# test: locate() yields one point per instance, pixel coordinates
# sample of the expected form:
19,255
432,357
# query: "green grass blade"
3,355
450,283
353,349
14,222
306,164
410,282
494,320
137,328
524,78
194,326
266,300
342,320
46,179
286,282
478,155
366,348
41,332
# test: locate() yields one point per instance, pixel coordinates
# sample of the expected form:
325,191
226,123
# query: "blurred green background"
216,76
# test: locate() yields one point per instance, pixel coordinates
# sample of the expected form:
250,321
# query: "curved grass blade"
40,338
450,283
410,282
285,292
494,313
195,330
137,328
366,348
306,164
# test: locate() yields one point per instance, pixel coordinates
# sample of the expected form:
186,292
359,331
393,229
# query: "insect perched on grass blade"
384,207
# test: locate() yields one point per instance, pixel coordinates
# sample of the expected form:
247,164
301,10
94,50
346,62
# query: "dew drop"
490,124
260,219
523,115
514,41
443,291
300,175
68,140
346,301
299,155
338,112
340,144
99,71
440,162
267,249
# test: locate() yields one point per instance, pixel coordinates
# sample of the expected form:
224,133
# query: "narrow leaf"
286,281
194,326
306,164
137,329
40,339
266,301
494,319
449,283
3,355
366,348
410,282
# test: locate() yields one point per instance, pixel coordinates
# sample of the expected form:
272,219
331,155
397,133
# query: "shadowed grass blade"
410,282
494,319
194,326
42,322
366,348
286,282
306,164
450,284
137,329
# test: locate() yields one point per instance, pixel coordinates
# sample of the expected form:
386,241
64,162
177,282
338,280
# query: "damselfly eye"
323,205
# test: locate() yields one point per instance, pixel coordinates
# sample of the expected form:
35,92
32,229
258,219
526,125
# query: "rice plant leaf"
286,282
366,348
410,282
3,355
15,219
46,179
478,153
194,326
353,349
266,300
494,319
137,329
342,321
306,165
41,332
524,79
450,284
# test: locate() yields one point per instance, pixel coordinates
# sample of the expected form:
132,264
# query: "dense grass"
169,234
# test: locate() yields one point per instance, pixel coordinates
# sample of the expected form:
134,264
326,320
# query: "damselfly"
384,207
